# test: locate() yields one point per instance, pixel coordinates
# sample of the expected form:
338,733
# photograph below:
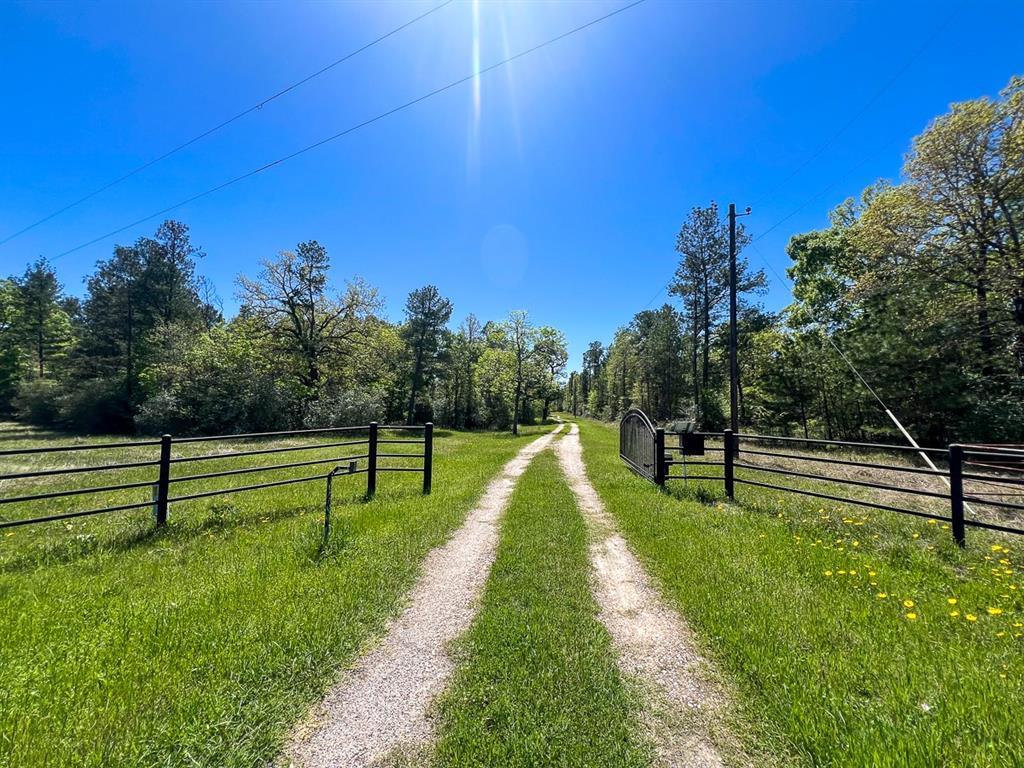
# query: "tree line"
148,349
918,282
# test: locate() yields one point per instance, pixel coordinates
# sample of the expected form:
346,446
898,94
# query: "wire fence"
173,477
979,486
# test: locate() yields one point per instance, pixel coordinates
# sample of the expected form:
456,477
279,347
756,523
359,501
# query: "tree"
509,369
592,386
426,314
10,350
42,325
572,393
218,382
148,349
522,339
660,352
919,282
309,323
141,288
551,354
967,181
702,282
172,278
496,378
466,346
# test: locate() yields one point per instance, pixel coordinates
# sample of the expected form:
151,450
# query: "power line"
789,285
226,123
354,128
655,297
821,193
864,108
849,363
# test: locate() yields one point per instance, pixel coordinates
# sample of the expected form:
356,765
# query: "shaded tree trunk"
414,385
984,326
1018,319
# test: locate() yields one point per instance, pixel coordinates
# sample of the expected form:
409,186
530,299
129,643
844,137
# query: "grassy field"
203,643
854,637
538,683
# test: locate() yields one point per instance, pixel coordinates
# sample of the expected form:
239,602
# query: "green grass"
203,643
787,595
538,685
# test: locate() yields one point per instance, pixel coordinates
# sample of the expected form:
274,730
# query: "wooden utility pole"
734,370
733,367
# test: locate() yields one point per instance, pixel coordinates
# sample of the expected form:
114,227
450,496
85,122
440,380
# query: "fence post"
727,451
659,456
327,505
956,493
428,455
163,482
371,461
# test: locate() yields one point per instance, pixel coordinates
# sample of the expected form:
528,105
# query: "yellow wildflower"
994,611
908,603
951,600
911,616
971,617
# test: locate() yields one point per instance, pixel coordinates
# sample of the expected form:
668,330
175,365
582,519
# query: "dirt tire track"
379,710
684,707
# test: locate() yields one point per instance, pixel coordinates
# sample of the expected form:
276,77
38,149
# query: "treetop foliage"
147,350
919,281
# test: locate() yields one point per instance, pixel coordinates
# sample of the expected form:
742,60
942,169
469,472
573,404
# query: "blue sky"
555,184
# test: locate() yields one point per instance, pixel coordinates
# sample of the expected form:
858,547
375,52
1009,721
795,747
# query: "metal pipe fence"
769,468
164,481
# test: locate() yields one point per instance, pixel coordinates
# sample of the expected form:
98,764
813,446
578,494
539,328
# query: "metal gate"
642,445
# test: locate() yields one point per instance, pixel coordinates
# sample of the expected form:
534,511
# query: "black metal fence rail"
1005,470
952,477
165,481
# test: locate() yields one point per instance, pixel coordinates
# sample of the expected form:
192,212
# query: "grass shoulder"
204,643
854,638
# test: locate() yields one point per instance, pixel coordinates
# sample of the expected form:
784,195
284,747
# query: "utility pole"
734,369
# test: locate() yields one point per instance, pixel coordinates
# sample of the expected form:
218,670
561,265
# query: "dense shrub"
96,406
344,409
37,402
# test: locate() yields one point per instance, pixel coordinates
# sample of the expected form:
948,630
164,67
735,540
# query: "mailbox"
691,442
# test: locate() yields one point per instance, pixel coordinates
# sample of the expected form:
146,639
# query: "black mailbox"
690,442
